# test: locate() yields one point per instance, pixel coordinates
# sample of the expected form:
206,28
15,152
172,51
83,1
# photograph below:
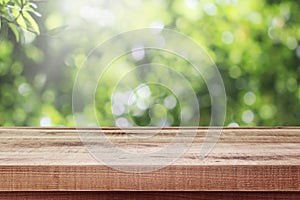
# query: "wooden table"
246,163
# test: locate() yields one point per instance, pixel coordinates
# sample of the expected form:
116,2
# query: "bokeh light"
255,45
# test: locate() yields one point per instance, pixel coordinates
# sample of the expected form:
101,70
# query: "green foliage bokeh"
255,45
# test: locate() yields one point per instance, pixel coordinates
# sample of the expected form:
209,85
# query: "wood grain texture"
244,159
149,195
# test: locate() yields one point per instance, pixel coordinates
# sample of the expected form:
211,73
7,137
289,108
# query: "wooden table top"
243,159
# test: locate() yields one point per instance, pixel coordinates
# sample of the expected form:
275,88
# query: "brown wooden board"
149,195
244,159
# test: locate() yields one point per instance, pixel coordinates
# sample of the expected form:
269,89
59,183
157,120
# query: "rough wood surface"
244,159
149,195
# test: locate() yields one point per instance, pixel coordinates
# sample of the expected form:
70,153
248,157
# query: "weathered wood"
149,195
244,159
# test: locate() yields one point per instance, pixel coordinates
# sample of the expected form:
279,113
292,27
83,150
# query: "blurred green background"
255,45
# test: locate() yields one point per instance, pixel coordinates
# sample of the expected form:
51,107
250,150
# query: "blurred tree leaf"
57,30
30,22
16,30
18,15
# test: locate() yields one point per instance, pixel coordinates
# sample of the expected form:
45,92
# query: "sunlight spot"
131,99
45,121
191,3
118,108
24,89
247,116
278,22
143,91
122,122
211,9
138,53
291,43
249,98
170,102
40,80
157,25
103,17
120,97
227,37
29,37
141,105
233,124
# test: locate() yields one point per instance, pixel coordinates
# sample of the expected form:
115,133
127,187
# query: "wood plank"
149,195
244,159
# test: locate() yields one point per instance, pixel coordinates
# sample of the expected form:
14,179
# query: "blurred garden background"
255,45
